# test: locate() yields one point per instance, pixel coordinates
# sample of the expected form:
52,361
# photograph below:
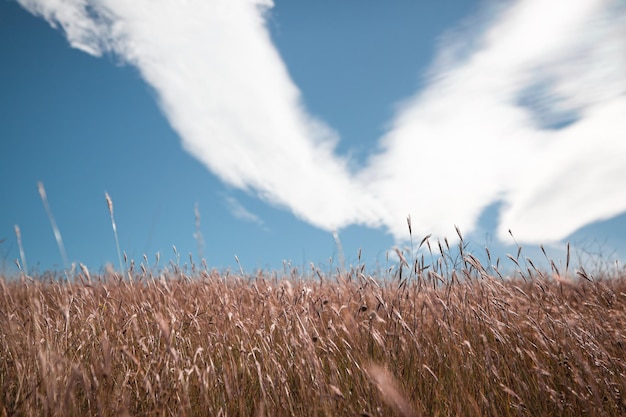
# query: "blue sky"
284,122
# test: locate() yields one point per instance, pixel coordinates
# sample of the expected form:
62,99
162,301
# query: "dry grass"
436,342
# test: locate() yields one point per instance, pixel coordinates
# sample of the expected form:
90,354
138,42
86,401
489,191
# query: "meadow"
435,336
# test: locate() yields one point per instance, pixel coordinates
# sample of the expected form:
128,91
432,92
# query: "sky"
261,133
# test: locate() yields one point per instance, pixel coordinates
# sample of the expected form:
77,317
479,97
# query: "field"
431,339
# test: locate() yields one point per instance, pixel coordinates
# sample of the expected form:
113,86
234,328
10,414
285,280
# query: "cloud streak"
525,107
242,213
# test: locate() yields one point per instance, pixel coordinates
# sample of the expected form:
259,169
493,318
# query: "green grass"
430,340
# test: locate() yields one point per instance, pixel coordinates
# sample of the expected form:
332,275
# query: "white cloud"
84,30
242,213
472,136
465,141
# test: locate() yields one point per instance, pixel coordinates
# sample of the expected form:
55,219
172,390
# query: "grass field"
430,339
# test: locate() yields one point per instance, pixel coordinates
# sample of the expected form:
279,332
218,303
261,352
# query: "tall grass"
434,339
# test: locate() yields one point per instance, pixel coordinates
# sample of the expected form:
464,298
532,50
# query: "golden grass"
464,343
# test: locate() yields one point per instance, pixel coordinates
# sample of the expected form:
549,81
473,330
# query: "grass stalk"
117,242
18,235
53,223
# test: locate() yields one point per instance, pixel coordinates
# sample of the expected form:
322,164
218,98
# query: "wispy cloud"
524,106
242,213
